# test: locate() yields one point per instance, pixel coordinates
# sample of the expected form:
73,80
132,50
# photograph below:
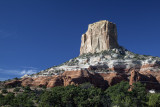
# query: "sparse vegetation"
16,78
112,54
4,91
16,89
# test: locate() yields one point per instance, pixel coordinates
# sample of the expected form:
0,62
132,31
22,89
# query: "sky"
38,34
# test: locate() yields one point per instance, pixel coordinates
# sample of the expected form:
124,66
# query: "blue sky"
38,34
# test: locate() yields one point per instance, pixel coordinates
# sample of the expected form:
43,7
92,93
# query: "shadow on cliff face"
148,79
119,68
84,77
98,81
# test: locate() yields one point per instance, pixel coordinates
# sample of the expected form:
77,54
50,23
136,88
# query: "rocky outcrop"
55,81
101,80
100,36
135,76
78,77
113,78
71,78
13,83
145,77
102,62
27,81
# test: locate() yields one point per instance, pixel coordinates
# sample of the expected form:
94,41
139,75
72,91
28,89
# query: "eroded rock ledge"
101,80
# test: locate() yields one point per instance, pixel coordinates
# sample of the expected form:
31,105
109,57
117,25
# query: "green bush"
84,95
22,100
16,89
139,94
27,89
86,85
9,98
4,91
154,100
16,78
72,96
1,99
120,95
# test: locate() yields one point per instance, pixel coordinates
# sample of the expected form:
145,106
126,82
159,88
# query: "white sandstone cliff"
100,36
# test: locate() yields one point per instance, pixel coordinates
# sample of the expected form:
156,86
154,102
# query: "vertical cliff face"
100,36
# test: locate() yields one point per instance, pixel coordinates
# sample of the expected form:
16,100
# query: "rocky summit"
100,36
102,62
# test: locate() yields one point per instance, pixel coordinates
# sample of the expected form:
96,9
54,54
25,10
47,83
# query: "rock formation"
105,64
101,80
100,36
71,78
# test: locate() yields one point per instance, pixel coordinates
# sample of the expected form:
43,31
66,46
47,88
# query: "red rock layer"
101,80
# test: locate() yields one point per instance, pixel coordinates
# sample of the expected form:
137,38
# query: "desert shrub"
44,87
16,89
16,78
120,95
22,100
86,85
8,99
4,91
1,99
139,94
72,96
27,89
84,95
154,100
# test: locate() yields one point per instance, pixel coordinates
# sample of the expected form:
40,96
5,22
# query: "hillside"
102,62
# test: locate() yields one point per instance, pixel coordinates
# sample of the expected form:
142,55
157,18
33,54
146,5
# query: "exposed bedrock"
100,36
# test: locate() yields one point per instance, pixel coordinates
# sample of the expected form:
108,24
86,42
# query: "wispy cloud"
31,71
18,72
12,73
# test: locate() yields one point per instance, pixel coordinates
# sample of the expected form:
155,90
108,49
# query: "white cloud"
9,74
31,71
18,72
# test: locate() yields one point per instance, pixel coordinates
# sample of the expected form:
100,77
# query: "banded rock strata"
102,62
